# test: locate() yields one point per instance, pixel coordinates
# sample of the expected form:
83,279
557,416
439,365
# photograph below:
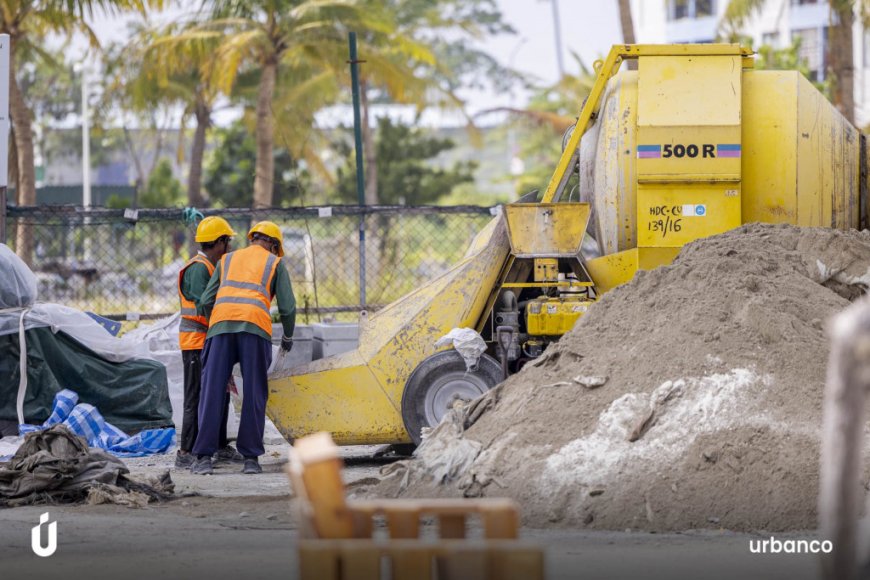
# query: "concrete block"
303,343
334,338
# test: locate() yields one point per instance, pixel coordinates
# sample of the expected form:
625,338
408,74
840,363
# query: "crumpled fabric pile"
86,421
57,466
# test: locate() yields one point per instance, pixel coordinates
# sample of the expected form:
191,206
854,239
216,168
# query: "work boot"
227,454
202,466
252,466
184,460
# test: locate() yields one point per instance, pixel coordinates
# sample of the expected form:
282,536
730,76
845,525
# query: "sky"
588,28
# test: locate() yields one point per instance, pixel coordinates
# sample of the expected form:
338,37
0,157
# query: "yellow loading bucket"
546,230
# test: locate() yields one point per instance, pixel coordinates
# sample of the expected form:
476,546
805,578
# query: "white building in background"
776,24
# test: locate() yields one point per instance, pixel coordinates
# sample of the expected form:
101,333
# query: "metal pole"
4,130
86,164
3,204
360,176
557,34
86,142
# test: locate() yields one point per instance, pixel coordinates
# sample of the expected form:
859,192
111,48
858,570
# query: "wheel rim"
447,389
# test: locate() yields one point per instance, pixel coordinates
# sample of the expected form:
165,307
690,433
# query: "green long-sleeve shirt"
194,282
281,290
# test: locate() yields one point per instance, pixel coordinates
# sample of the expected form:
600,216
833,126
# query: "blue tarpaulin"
85,420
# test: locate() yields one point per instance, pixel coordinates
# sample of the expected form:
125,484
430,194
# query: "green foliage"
53,90
231,165
736,14
162,190
552,109
770,58
407,173
115,201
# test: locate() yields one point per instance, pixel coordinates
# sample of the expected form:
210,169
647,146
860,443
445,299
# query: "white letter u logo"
36,539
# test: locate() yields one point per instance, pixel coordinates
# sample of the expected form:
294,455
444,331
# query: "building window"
703,8
812,50
770,39
681,9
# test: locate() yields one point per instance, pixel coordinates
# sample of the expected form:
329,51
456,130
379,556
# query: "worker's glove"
286,343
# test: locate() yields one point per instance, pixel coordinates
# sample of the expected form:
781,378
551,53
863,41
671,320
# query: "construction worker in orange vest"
214,236
238,303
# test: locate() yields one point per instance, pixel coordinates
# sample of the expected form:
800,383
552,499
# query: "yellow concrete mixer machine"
693,143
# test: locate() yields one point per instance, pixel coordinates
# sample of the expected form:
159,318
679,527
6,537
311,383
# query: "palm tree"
185,73
273,36
28,22
840,59
427,73
626,23
840,43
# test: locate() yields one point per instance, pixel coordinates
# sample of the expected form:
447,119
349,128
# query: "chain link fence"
125,266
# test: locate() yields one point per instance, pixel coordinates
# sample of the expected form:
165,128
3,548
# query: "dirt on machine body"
690,397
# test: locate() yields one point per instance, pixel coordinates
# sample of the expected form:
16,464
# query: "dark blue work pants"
221,352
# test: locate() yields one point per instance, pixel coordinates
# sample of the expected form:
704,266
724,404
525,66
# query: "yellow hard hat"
212,228
269,229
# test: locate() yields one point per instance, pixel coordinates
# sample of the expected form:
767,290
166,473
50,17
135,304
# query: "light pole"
557,35
4,129
514,162
86,142
86,157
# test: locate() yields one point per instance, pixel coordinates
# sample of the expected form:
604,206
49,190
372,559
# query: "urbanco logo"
36,537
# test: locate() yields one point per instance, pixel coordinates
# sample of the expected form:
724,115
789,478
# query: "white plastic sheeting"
467,342
155,341
17,284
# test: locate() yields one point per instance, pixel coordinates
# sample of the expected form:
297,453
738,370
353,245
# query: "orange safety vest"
244,294
192,329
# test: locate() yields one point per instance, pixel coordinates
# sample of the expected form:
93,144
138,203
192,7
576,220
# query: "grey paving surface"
241,527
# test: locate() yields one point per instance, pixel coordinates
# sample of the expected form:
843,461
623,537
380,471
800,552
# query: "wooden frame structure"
338,538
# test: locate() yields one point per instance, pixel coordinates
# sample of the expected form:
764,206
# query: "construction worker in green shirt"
214,236
237,302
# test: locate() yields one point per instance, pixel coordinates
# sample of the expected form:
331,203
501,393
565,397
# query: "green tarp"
132,395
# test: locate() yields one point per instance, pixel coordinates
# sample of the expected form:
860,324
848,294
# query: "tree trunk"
22,119
194,178
840,59
627,24
141,178
370,152
265,172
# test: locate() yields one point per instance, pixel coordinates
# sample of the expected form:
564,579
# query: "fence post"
360,177
2,213
4,130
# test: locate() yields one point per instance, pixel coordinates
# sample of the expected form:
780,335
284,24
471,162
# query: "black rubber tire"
428,373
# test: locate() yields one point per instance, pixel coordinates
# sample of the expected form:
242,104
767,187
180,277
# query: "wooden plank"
434,507
360,561
451,526
411,562
363,524
318,560
511,561
315,459
467,562
403,522
325,490
500,521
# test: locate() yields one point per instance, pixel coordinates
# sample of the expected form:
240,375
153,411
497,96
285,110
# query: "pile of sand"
711,410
